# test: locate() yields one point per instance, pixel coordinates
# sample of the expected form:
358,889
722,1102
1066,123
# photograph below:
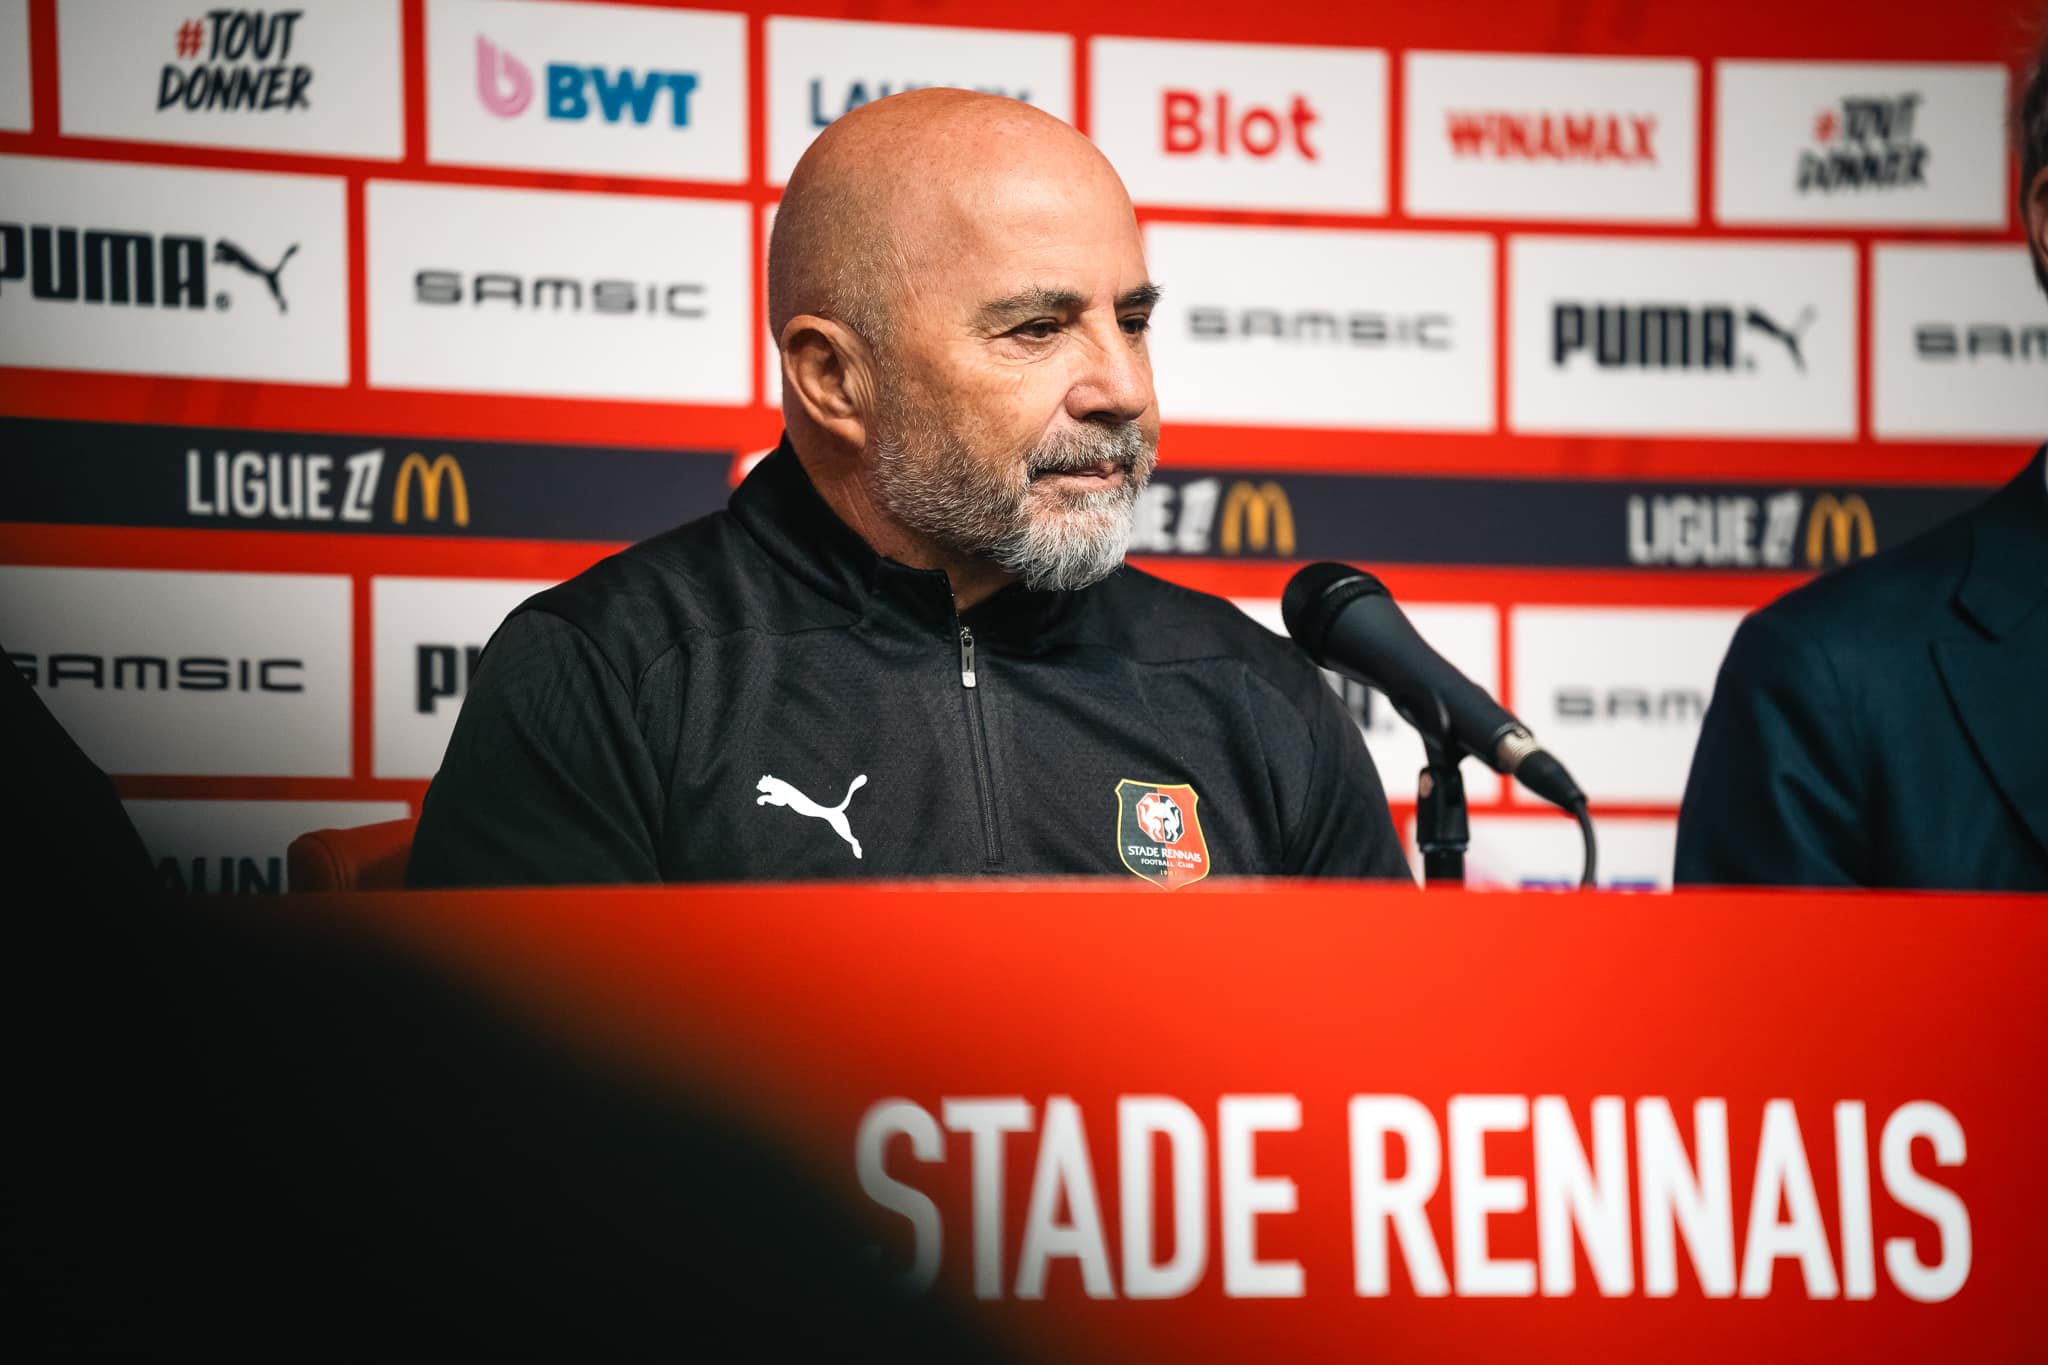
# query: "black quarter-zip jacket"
757,694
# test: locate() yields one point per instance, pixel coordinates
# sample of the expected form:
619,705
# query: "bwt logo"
505,85
1197,123
442,673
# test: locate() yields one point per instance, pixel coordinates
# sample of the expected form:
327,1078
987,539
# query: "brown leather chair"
364,858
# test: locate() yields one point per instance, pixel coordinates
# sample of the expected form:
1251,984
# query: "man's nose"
1114,383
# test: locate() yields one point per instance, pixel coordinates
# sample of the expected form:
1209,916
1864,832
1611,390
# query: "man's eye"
1137,325
1042,330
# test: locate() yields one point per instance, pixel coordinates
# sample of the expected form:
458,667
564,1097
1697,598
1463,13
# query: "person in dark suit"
1887,725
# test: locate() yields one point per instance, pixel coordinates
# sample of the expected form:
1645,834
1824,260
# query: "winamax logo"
1865,142
1550,135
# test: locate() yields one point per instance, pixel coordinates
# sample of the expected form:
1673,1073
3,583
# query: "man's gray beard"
932,482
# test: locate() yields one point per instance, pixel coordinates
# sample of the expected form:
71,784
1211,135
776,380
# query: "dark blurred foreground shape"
268,1133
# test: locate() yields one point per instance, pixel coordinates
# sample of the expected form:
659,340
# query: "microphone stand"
1443,830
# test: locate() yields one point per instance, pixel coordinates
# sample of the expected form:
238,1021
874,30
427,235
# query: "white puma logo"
775,792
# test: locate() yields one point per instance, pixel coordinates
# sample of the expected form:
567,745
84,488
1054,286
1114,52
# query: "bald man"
909,647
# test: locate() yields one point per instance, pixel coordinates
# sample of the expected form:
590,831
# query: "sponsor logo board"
161,270
1544,853
1242,125
1323,327
1959,344
114,474
619,89
201,674
1466,635
17,112
1618,693
1857,143
427,635
317,77
1588,139
488,290
238,847
1631,337
821,69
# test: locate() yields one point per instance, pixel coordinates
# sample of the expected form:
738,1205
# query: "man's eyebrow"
1144,296
1029,302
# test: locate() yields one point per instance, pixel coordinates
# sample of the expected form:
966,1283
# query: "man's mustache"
1124,446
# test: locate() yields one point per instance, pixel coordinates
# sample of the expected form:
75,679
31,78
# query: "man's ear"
831,370
2035,210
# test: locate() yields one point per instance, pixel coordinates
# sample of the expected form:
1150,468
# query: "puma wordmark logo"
775,792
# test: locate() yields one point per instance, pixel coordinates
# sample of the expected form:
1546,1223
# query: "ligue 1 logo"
1157,834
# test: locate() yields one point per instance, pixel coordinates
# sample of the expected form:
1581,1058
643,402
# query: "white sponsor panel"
320,77
624,89
162,270
1959,344
487,290
426,635
821,69
1323,327
201,674
1468,636
1856,143
1575,139
17,111
1542,852
1618,693
208,847
1623,336
1242,125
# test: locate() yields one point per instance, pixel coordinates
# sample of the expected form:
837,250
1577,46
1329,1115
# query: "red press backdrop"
1585,358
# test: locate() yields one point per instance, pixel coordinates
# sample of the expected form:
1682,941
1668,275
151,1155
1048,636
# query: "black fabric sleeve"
547,779
1344,828
1775,797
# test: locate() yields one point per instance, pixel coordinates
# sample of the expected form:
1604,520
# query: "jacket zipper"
984,781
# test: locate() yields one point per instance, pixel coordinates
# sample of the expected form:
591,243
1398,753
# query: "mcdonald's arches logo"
429,475
1840,524
1257,516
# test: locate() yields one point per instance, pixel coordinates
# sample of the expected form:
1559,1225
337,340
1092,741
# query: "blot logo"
1158,836
505,86
1204,123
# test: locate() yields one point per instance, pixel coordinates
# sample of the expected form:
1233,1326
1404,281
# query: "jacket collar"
783,511
2008,573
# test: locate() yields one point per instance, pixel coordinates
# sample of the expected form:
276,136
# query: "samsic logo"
126,268
1644,705
558,294
574,93
157,673
1969,341
1661,336
1319,327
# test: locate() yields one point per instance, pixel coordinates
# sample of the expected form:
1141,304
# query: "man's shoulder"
1887,600
1153,621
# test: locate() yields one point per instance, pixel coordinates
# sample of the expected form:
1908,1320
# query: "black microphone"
1347,621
